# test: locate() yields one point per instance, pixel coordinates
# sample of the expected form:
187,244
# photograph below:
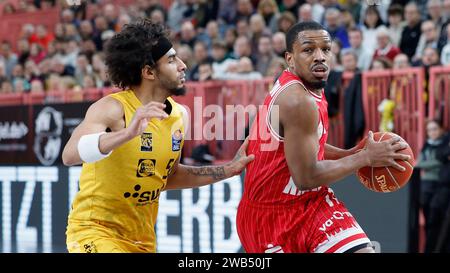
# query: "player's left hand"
241,159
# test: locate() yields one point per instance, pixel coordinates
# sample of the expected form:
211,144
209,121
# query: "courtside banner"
36,134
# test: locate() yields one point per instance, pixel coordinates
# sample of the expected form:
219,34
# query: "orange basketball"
387,179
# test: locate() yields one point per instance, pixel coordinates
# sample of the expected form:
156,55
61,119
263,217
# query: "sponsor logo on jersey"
143,197
146,142
146,167
177,136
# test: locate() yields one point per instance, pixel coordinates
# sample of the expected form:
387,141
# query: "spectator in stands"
286,20
430,58
431,188
157,16
257,30
175,15
412,31
270,12
212,33
86,30
372,20
244,9
336,30
381,63
305,13
36,86
68,17
396,23
221,60
355,7
230,38
110,13
435,14
100,26
83,68
317,10
42,37
291,6
401,61
23,50
445,54
200,56
122,20
6,87
265,55
428,38
384,46
239,70
37,53
347,20
205,71
88,82
242,48
363,55
336,48
188,34
243,28
349,60
8,57
279,44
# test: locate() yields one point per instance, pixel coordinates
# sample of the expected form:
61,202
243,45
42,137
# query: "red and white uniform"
273,215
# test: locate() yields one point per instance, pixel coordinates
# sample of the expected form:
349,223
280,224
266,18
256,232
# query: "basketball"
386,179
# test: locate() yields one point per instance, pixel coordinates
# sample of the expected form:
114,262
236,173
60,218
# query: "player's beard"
316,85
173,87
180,91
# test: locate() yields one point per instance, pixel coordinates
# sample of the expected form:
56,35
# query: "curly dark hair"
128,51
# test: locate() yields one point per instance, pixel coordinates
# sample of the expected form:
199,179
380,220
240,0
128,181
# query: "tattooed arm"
184,177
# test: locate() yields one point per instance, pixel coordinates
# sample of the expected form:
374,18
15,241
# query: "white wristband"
88,148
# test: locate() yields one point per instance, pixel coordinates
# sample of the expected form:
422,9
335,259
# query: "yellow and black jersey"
118,197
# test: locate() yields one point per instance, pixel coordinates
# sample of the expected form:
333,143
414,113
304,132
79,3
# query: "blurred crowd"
228,39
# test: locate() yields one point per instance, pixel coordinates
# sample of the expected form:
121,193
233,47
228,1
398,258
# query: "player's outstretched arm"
103,114
184,176
299,118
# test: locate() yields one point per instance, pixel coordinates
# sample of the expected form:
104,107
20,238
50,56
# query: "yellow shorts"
96,239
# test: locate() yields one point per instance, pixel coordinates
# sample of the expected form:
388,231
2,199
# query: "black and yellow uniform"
117,205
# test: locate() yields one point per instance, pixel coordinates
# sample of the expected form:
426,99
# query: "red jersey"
267,179
273,215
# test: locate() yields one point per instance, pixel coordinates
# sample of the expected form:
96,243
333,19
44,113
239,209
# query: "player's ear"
289,60
148,73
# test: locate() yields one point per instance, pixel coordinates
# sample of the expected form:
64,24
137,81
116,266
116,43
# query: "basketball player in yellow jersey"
130,144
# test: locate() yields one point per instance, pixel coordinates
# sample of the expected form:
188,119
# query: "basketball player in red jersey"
287,205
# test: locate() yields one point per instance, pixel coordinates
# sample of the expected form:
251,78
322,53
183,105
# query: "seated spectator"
445,53
372,20
428,38
396,23
205,71
364,56
269,10
430,58
285,21
6,87
385,47
37,87
336,30
401,61
243,70
412,31
279,44
381,63
349,61
220,59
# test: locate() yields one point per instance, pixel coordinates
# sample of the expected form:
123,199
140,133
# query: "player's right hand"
143,115
384,153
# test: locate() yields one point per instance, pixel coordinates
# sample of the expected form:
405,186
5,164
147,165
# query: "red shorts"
318,222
